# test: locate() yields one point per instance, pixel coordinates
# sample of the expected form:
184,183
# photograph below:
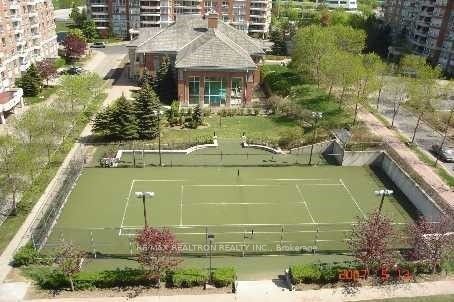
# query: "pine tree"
89,30
147,78
165,85
146,106
30,82
197,117
125,119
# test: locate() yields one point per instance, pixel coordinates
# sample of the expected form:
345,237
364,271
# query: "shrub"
290,138
223,276
189,277
305,273
47,277
26,255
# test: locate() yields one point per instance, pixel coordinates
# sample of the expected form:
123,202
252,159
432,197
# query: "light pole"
210,240
316,116
444,137
144,195
158,114
383,193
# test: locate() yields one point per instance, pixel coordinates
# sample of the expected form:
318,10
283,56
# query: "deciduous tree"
69,260
158,251
75,44
46,69
371,240
422,85
431,241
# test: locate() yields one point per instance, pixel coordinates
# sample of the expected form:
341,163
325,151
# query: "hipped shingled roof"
198,47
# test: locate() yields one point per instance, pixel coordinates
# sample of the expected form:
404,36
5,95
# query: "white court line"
300,193
352,197
293,179
230,186
233,203
306,185
160,180
181,205
243,224
126,206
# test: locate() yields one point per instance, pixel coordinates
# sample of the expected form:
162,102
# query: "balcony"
32,14
10,99
99,5
152,14
16,18
20,42
14,5
18,30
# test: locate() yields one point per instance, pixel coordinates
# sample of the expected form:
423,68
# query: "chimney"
212,19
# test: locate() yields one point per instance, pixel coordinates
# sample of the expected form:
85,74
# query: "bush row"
329,273
50,278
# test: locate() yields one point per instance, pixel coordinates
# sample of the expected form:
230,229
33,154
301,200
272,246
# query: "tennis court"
248,209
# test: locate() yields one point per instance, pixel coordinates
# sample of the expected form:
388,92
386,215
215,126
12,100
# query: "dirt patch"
128,292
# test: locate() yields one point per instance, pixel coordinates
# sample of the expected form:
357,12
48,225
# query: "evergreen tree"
277,37
89,30
75,14
117,121
197,117
125,119
147,78
30,82
165,85
146,105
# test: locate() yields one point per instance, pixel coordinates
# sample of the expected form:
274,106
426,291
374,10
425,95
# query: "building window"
194,88
236,94
214,91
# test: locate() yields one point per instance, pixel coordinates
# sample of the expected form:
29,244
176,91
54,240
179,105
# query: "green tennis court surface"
261,210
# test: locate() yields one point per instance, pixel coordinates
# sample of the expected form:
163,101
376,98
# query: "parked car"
98,45
74,70
445,154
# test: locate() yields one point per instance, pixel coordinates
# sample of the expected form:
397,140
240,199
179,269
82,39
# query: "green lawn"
62,26
45,93
247,268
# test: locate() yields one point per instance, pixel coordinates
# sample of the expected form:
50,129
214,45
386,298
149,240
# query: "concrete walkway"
322,295
119,87
426,172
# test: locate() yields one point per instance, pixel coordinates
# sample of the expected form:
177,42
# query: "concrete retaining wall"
418,197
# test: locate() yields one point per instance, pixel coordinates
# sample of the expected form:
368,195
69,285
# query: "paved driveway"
426,136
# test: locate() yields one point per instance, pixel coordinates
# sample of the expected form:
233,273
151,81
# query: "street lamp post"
210,240
444,137
383,193
316,116
158,114
143,196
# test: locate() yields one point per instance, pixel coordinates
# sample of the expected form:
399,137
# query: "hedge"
188,277
329,273
223,276
26,255
50,278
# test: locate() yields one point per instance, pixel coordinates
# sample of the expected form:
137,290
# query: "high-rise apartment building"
27,33
428,26
120,16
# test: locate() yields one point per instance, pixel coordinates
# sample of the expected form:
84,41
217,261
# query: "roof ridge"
153,36
207,37
227,41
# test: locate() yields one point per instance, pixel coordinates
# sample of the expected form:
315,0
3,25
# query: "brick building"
216,65
428,25
121,16
27,34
